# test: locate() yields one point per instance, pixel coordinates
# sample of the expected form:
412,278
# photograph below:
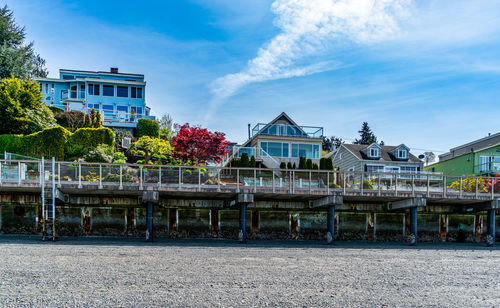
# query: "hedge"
148,127
55,141
92,137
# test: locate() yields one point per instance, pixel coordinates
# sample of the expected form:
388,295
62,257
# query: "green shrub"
302,163
329,163
315,166
294,166
50,142
90,138
283,165
12,144
148,127
253,163
289,165
309,164
119,158
244,161
367,184
101,154
322,163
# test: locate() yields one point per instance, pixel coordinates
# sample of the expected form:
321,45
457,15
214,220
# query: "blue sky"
424,73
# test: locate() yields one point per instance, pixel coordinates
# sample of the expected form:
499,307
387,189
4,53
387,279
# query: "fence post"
140,178
396,183
328,182
428,185
59,174
344,182
0,173
100,176
218,179
493,188
413,185
477,187
180,177
19,173
310,179
444,186
80,175
379,192
274,190
199,178
362,182
237,180
159,177
461,187
254,180
121,181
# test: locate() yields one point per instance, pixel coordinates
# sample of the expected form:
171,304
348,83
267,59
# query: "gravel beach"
213,273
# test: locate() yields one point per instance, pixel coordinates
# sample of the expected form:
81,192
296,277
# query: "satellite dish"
421,156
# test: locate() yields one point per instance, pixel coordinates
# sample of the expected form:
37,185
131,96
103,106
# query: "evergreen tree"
98,122
289,165
302,163
366,134
315,166
86,121
322,162
244,161
92,117
329,144
282,165
253,163
309,164
328,163
17,58
294,166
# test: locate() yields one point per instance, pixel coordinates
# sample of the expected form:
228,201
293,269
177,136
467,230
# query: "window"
108,109
284,152
95,106
484,163
68,77
375,168
136,110
135,92
401,153
374,152
295,150
108,90
93,89
122,108
122,91
408,169
496,163
46,88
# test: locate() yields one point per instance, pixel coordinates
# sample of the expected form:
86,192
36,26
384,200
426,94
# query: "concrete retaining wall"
261,224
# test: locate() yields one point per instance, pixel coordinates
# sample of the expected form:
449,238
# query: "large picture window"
135,92
108,90
93,89
122,91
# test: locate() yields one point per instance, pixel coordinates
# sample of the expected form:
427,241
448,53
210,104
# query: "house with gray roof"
376,158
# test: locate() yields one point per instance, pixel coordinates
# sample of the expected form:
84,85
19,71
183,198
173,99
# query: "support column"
149,221
242,234
490,237
413,226
330,222
150,197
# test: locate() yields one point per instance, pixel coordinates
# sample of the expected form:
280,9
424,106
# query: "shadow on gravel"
225,243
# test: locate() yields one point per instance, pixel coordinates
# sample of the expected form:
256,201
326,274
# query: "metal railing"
256,152
72,94
92,176
287,130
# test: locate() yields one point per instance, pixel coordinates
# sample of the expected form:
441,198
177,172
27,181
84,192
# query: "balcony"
72,95
122,117
285,130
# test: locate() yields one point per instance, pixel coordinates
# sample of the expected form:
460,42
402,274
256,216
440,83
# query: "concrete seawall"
172,222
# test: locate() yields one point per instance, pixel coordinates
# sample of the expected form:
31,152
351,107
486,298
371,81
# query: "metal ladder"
48,187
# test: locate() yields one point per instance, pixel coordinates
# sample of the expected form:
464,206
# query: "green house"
480,157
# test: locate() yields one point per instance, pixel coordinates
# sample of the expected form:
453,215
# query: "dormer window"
402,154
374,152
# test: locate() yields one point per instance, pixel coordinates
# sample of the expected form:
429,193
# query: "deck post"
413,226
490,237
242,235
330,235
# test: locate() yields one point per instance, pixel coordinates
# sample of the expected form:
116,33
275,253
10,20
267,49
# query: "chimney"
113,70
248,130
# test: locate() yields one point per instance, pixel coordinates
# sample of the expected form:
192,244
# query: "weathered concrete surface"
213,273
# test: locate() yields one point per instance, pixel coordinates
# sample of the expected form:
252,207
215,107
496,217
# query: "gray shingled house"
376,158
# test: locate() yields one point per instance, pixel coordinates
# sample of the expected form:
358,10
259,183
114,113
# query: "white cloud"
310,29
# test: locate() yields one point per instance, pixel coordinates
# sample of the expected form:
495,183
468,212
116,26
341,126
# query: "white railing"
94,176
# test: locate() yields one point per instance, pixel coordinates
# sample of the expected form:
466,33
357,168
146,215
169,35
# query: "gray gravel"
130,273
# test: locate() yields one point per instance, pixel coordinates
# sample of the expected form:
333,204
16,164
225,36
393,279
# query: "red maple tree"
199,145
493,183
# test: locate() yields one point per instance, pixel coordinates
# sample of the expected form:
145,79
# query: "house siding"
348,160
